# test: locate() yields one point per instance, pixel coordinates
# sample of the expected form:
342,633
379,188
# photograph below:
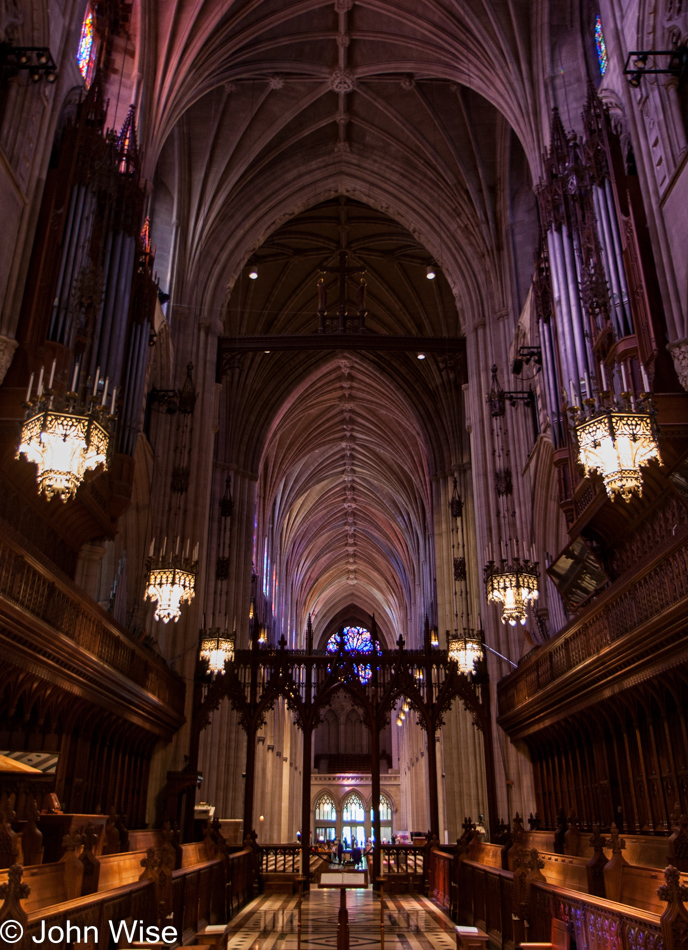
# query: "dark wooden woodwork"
308,680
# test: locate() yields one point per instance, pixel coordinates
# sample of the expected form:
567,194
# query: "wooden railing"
484,896
280,857
402,859
28,584
625,607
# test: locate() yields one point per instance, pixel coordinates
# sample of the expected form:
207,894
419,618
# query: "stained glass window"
86,54
352,807
601,45
326,810
356,640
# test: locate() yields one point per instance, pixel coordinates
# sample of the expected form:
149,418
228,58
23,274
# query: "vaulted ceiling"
257,110
280,131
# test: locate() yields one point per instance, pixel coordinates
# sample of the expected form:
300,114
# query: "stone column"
375,782
306,805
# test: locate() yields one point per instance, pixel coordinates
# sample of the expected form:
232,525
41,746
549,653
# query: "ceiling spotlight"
253,272
421,356
430,272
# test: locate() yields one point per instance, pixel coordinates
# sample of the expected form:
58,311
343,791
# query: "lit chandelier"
513,585
465,649
171,580
65,436
217,647
616,437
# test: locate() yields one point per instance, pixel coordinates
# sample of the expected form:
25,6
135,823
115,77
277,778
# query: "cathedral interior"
344,473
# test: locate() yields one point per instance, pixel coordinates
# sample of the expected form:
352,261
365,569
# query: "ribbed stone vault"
260,109
346,481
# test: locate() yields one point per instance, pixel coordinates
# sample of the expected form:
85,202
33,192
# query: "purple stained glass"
601,45
356,640
86,54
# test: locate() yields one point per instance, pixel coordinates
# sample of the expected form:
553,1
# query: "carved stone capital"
679,354
7,348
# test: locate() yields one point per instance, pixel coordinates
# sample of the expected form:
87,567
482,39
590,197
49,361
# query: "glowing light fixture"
513,585
421,356
217,647
65,437
253,272
465,649
430,272
171,580
617,440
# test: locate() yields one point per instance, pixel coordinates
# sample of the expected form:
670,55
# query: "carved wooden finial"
618,843
673,892
150,865
598,841
12,893
674,919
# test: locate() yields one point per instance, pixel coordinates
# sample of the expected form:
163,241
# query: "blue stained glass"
601,45
86,54
356,640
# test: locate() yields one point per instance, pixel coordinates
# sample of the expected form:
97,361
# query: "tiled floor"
271,921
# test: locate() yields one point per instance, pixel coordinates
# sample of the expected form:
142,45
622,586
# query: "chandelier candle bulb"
151,549
112,404
28,391
97,380
646,383
186,549
105,390
573,394
603,376
39,390
52,374
75,377
164,546
624,380
195,552
64,440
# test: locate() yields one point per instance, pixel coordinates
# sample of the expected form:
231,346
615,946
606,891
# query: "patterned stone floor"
271,923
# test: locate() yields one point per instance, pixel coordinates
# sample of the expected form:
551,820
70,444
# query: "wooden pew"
559,940
470,938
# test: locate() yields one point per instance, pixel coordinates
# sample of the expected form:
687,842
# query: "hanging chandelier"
171,581
616,440
513,585
465,649
217,647
65,437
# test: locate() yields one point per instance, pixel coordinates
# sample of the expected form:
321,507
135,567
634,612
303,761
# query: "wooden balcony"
49,628
632,632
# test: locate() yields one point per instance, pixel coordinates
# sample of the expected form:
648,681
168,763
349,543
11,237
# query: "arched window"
385,808
356,640
386,812
600,45
88,46
353,820
325,819
326,810
352,808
